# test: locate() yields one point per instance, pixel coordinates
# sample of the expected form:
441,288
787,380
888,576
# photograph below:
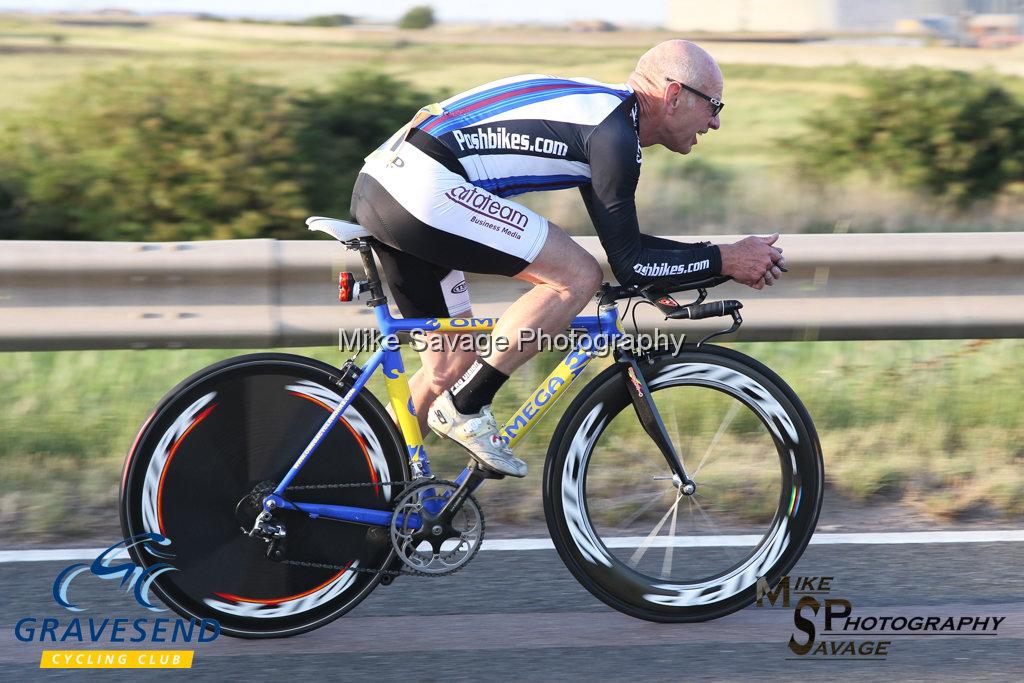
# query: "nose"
715,123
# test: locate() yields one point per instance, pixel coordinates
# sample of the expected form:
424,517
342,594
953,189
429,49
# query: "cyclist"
435,196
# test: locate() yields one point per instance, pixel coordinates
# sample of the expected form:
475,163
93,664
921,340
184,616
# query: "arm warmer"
635,259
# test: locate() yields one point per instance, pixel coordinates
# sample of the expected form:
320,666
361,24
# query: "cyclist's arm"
635,259
655,242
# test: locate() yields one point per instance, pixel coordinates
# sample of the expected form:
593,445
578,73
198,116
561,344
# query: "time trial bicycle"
672,484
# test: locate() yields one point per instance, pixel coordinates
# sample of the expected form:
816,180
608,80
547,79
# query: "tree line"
163,154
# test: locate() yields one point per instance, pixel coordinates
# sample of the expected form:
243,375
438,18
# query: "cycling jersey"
527,133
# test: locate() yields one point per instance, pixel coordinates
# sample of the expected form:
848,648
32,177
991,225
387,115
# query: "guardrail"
268,293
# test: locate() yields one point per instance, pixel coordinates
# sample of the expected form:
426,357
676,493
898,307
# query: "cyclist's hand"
753,261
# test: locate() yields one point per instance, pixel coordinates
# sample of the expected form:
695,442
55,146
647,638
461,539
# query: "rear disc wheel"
226,432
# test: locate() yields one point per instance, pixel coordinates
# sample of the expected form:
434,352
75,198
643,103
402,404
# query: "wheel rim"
644,540
214,443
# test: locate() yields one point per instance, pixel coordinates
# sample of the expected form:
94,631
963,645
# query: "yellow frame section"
461,324
400,399
544,396
522,421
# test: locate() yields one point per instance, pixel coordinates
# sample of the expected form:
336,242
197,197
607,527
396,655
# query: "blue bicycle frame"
598,332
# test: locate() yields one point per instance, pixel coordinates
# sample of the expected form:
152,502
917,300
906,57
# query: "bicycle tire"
571,521
225,429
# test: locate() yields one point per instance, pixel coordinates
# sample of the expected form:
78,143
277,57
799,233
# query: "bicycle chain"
308,487
357,570
361,570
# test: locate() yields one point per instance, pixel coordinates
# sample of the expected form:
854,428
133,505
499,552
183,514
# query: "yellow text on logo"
116,659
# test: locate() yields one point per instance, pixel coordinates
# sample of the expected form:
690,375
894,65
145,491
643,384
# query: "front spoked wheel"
629,534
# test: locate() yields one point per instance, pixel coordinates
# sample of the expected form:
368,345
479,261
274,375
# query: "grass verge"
934,424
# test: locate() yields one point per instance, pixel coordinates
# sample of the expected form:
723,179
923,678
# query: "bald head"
679,60
670,114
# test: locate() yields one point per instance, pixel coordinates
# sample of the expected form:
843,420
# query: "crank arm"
648,414
469,484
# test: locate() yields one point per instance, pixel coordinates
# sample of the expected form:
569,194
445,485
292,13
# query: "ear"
672,92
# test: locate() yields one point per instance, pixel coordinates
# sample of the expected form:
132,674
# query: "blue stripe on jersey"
513,191
512,185
518,101
491,92
528,83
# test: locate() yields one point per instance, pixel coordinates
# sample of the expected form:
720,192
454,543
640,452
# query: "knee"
578,278
586,277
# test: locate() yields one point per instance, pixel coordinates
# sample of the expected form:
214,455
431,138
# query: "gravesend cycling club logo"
506,219
136,580
850,636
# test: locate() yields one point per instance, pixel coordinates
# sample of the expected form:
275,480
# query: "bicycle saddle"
343,231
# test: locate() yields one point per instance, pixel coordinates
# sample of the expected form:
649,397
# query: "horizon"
446,11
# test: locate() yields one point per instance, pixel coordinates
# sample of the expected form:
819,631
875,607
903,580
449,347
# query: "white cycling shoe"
476,433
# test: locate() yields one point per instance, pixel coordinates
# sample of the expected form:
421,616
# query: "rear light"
346,285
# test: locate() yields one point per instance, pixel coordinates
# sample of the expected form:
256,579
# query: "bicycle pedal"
480,472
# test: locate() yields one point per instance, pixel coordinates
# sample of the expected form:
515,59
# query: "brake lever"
737,320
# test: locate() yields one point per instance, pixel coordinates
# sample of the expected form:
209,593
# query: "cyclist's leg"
565,278
420,206
440,369
423,290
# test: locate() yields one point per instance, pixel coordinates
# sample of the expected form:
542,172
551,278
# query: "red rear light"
345,282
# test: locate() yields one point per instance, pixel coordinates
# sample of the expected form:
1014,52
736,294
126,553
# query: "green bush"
160,155
421,16
329,20
338,127
153,155
951,134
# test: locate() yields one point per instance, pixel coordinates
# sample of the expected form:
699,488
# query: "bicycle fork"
650,418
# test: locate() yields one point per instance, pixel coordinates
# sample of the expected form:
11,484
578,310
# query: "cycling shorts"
433,225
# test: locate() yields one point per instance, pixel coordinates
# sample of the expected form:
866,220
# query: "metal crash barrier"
269,293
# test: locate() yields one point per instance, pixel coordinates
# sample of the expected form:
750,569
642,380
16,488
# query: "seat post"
373,282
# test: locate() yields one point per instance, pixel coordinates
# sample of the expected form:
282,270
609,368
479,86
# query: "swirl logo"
133,577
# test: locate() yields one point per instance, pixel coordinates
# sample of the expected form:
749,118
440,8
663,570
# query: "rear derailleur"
256,522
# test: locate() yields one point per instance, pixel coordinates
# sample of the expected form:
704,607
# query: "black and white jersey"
531,132
534,132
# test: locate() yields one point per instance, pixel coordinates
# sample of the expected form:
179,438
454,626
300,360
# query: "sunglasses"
716,105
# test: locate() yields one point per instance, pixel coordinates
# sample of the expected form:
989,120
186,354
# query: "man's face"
683,125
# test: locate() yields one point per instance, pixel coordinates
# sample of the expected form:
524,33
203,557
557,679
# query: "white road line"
886,538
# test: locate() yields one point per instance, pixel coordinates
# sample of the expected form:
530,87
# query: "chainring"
434,547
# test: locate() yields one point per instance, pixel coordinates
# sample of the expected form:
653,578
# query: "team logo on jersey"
501,138
488,206
656,269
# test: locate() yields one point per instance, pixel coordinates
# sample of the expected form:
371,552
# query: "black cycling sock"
477,387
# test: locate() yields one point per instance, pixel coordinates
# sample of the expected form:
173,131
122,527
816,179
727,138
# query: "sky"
644,12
